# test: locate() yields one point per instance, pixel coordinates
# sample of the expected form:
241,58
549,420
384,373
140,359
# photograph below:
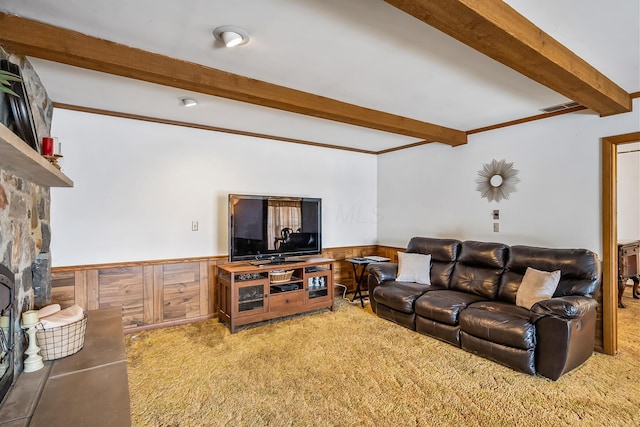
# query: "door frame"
610,238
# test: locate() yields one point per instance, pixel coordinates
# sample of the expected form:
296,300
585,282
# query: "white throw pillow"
536,286
414,268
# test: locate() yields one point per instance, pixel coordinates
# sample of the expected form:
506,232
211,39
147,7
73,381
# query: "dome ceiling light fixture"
231,36
188,102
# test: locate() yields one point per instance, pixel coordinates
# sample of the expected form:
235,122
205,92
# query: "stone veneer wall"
25,233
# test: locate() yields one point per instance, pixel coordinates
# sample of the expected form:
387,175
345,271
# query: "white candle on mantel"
30,317
4,321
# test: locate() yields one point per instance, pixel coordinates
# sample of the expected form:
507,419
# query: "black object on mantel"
22,125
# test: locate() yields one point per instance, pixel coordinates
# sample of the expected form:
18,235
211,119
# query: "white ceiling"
363,52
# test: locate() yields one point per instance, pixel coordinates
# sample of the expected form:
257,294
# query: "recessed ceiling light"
188,102
231,36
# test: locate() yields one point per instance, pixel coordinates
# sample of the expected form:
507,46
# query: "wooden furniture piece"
628,268
248,293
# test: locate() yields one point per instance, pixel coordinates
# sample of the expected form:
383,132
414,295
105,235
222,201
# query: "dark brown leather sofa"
471,302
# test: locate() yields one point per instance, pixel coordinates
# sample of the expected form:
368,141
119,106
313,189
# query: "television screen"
273,228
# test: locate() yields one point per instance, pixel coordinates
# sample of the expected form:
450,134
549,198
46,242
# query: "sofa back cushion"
579,270
444,253
479,267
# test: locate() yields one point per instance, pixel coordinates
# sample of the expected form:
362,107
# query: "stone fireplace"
25,233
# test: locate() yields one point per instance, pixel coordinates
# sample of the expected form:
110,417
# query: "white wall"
430,190
629,192
138,187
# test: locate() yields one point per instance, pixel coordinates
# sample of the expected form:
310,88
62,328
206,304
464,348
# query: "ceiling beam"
495,29
32,38
204,127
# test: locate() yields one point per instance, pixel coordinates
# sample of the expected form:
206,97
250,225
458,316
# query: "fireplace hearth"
7,286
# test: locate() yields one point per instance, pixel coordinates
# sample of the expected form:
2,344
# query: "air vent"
561,107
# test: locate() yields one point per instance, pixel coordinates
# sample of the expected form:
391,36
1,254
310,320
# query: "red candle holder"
47,146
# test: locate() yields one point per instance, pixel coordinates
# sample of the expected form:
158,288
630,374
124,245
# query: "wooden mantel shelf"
18,157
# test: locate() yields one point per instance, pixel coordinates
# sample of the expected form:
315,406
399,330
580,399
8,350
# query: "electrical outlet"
194,225
496,227
496,214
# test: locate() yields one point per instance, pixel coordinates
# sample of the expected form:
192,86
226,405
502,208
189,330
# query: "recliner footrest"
515,358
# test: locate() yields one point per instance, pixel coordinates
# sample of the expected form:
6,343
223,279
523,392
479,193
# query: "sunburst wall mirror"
497,180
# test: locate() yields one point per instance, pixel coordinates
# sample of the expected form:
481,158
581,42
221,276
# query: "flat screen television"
273,228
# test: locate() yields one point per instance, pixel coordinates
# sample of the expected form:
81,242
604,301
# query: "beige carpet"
350,368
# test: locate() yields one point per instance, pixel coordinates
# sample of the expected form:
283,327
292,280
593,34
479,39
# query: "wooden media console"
250,293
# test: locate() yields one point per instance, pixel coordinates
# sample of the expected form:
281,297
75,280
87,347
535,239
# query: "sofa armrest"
568,307
565,331
379,272
383,271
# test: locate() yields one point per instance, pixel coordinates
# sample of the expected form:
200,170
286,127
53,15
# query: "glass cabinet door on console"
319,283
242,295
251,297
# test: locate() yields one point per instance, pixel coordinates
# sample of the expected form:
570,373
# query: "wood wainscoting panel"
390,252
181,291
158,294
80,289
122,287
203,287
343,270
167,292
93,289
151,293
147,295
63,286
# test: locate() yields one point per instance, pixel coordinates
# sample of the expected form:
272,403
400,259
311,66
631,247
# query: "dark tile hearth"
86,388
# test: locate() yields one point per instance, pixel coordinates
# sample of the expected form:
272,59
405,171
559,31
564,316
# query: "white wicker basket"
62,341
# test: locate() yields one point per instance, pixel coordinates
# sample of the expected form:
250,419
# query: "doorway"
610,238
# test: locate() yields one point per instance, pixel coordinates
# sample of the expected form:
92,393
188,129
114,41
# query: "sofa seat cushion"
400,296
499,322
444,306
